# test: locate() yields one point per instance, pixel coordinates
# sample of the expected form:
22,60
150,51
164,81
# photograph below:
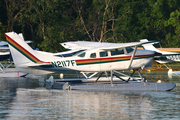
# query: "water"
22,98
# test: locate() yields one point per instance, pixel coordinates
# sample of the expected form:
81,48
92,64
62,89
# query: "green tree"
152,17
13,9
47,21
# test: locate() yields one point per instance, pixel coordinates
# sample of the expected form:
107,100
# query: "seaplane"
113,58
166,57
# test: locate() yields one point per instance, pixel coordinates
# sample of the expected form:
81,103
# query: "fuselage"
96,60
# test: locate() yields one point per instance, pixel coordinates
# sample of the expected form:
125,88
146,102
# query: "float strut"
131,75
111,77
140,76
119,77
98,77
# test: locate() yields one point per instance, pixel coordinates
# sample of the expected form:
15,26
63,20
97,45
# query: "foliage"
50,22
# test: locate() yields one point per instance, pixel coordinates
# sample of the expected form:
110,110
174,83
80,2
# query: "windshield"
129,49
82,54
78,52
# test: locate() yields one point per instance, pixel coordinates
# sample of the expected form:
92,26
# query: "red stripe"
108,58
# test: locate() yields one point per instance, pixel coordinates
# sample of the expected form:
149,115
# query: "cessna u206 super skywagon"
106,58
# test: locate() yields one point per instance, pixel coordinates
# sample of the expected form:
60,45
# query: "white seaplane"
105,57
166,57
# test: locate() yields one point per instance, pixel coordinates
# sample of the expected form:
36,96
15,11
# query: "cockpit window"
93,55
78,53
82,54
75,53
103,54
117,51
129,49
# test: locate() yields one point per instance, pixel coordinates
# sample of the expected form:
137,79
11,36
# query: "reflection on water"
73,104
28,99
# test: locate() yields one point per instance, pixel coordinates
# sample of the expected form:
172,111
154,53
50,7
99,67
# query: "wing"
2,43
84,44
122,45
4,48
101,45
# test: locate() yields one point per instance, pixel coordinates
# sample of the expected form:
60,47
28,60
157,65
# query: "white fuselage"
97,61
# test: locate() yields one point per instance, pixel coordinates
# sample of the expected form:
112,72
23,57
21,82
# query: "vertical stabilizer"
149,46
21,52
21,35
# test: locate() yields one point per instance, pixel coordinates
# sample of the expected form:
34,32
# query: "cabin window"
93,55
103,54
82,54
129,49
117,51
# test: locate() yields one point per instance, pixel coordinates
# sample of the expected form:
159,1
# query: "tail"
22,53
149,46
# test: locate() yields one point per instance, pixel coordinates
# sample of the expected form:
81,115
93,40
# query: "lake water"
23,98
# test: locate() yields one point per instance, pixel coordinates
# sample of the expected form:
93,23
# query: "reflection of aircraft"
107,57
166,57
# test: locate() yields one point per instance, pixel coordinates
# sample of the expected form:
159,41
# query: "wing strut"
132,57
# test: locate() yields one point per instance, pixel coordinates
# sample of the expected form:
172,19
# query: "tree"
47,21
2,21
174,35
14,8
